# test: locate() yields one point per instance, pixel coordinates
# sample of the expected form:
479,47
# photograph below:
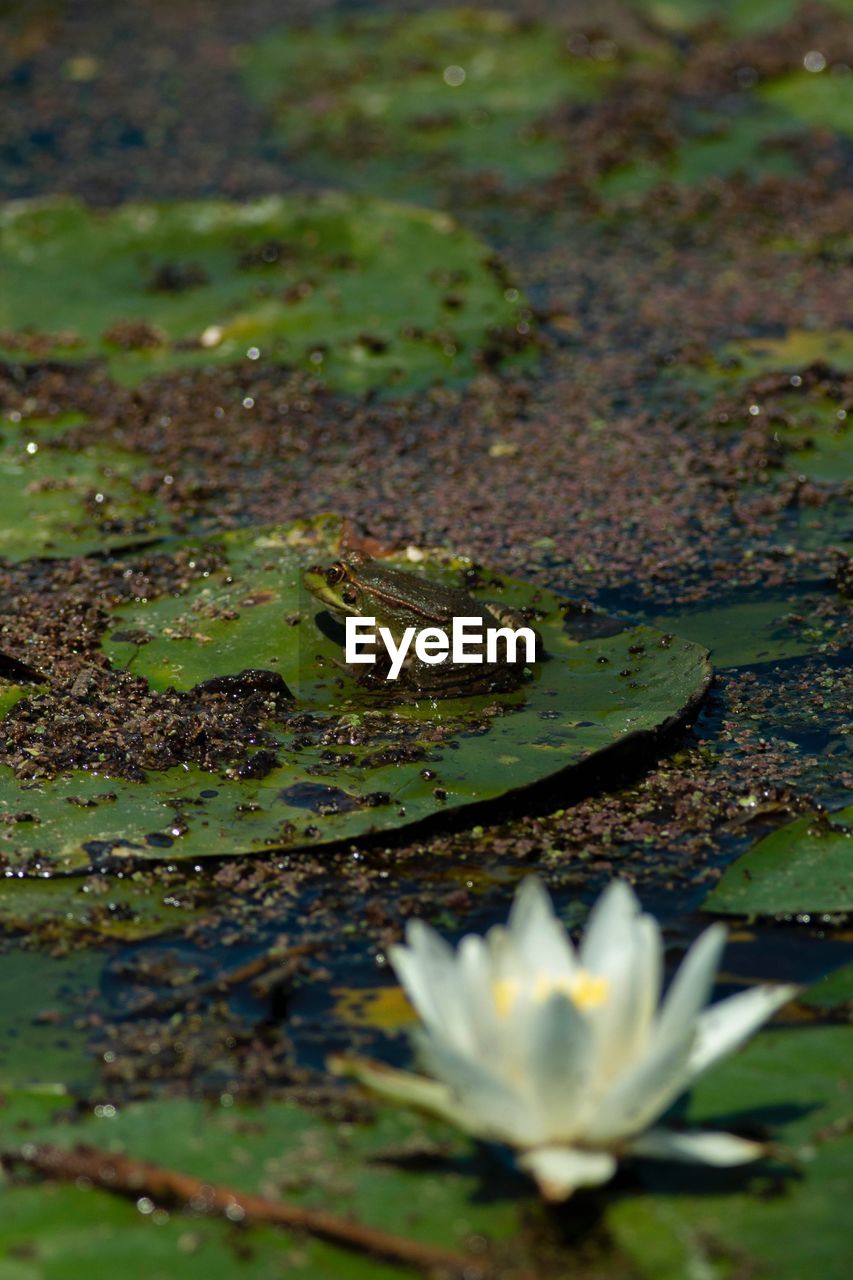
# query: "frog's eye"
349,595
335,574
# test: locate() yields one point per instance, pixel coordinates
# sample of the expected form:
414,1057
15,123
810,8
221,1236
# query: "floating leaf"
786,1224
754,628
60,499
302,281
401,103
805,866
406,1176
813,429
67,908
739,17
347,760
718,144
42,1003
834,992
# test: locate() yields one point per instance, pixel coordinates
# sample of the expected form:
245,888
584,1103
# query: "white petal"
493,1107
400,1086
642,1094
691,986
558,1067
539,939
726,1025
608,921
624,1019
491,1033
559,1170
721,1149
427,969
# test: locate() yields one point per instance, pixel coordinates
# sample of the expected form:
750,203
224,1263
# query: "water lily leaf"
61,499
834,992
812,428
68,910
345,760
805,866
42,1002
739,17
720,148
693,1222
400,103
406,1176
717,144
752,629
301,281
297,280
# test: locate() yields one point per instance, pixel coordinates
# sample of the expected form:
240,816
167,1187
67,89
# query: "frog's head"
366,588
342,586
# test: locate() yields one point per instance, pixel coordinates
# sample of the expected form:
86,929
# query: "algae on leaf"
803,867
362,293
345,760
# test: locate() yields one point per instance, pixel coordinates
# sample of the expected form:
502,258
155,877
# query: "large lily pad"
59,499
785,1085
346,761
410,102
361,292
805,866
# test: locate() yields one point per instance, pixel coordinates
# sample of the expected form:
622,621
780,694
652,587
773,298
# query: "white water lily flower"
568,1056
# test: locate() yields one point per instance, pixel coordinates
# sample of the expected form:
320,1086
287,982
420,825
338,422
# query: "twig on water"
123,1175
154,1006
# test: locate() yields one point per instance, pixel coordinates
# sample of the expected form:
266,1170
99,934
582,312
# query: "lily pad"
43,1034
719,144
347,760
834,993
785,1085
406,1176
68,910
409,103
752,628
813,429
805,866
301,281
739,17
817,438
61,499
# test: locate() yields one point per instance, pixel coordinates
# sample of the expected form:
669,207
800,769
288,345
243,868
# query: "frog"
360,586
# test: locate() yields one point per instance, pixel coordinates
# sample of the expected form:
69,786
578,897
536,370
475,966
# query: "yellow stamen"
585,990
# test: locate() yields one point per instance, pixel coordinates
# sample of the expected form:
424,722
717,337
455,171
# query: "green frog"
406,604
